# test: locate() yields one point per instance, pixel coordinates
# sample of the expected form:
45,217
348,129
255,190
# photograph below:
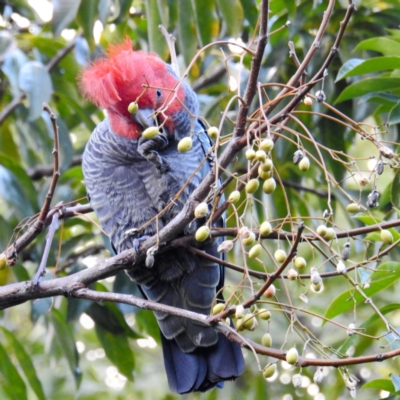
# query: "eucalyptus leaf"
35,81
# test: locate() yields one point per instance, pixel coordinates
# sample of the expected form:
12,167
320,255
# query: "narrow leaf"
232,14
370,85
35,81
10,377
64,12
357,66
25,362
118,351
66,340
384,45
347,299
380,384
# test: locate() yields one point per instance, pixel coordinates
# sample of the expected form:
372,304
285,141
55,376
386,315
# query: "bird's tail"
204,368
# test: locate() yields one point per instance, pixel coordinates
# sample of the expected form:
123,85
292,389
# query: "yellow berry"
269,186
250,154
133,107
201,210
300,262
266,340
213,132
386,236
264,314
218,308
248,321
252,185
3,261
255,251
292,356
265,228
185,144
280,255
150,132
307,101
267,145
202,233
261,155
353,208
330,234
234,197
269,371
304,164
321,230
267,165
264,174
249,240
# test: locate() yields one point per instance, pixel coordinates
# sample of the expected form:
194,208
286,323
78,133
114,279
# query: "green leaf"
380,384
357,66
35,81
394,115
384,45
186,30
396,382
232,15
347,67
395,190
10,377
156,40
64,12
118,351
25,363
65,338
384,278
207,25
369,85
87,15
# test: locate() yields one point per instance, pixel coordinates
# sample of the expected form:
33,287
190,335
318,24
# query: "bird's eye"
159,93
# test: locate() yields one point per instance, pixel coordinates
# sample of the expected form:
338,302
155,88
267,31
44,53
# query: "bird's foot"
150,256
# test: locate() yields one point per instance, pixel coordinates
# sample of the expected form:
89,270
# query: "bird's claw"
150,256
131,232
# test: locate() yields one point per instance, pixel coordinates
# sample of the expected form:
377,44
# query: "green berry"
267,145
269,185
252,186
185,144
213,132
265,228
218,308
201,210
250,154
266,340
234,197
353,208
300,262
386,236
292,356
280,255
150,132
269,371
202,233
255,251
304,164
133,107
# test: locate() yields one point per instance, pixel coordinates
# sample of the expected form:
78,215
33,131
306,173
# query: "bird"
134,187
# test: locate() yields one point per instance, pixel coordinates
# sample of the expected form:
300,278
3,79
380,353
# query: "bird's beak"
145,117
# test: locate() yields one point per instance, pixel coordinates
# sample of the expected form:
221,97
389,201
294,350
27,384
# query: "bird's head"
124,76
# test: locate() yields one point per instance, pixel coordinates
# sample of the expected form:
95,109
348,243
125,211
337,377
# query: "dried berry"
297,156
373,199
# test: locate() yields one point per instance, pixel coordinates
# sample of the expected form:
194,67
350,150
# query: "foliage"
64,347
